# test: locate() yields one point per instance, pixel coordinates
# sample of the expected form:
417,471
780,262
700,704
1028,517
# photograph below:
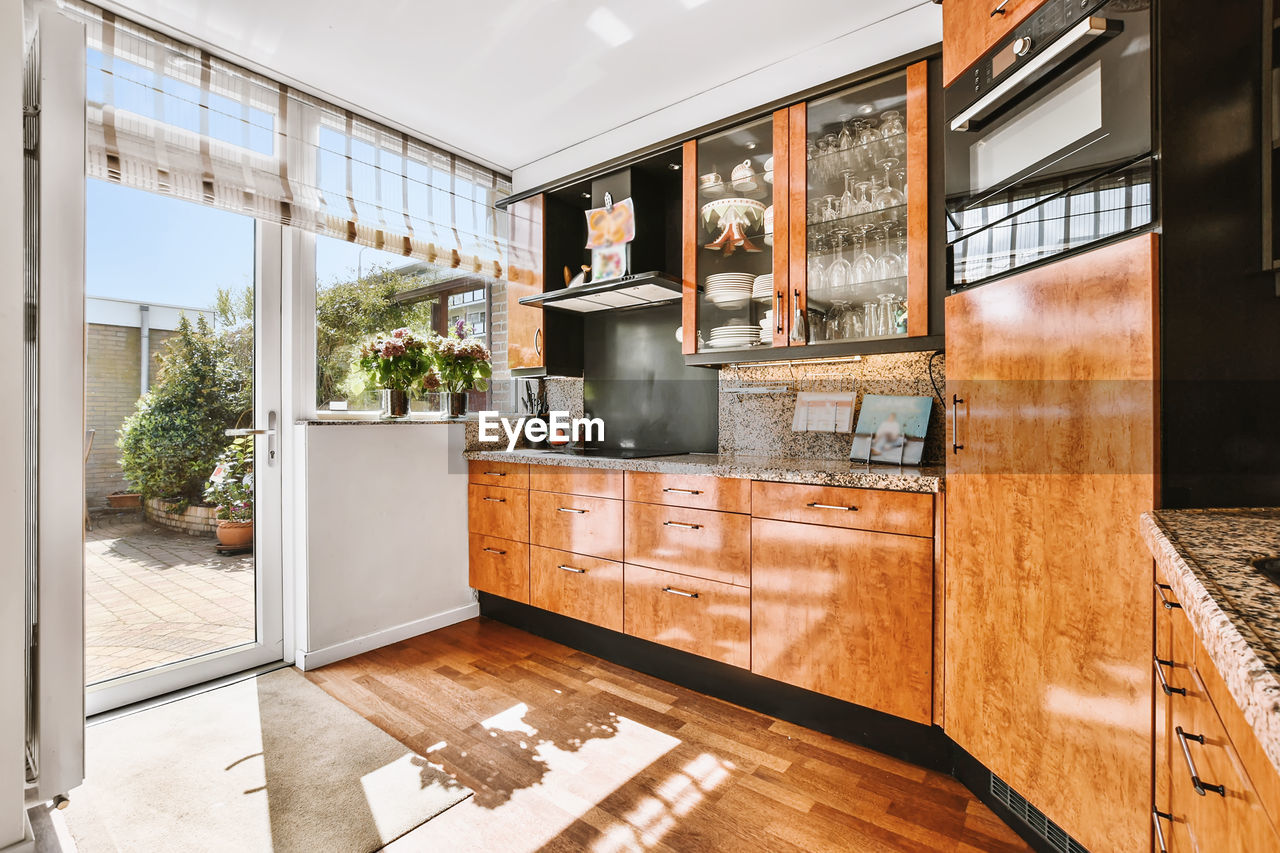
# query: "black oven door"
1053,154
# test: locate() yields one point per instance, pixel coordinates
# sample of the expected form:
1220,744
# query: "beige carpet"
270,763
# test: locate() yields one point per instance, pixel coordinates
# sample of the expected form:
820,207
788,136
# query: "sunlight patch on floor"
674,797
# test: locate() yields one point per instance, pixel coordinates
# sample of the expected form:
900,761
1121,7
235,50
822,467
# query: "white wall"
12,572
911,30
386,537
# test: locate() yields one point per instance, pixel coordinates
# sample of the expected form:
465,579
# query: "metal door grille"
1054,835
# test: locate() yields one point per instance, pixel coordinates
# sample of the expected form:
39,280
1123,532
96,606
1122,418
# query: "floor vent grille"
1053,834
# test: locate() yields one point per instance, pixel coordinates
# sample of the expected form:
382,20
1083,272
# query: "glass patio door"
182,465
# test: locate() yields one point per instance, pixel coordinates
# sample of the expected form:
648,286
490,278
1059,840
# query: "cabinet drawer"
845,613
584,588
699,542
495,511
583,525
500,566
908,513
594,482
511,475
721,493
692,614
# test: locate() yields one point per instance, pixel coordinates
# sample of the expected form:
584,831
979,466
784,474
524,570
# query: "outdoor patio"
154,596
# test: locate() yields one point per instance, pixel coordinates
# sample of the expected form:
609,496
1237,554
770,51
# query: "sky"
152,248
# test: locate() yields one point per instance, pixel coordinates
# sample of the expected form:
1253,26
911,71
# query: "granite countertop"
1233,607
820,472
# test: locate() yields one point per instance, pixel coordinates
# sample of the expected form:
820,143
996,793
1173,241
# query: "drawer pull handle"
1157,816
1164,685
576,571
1168,604
682,524
495,473
684,491
674,591
494,551
574,511
1196,782
497,500
999,10
832,506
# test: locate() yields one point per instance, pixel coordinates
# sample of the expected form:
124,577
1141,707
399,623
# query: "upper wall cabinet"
810,228
525,332
971,27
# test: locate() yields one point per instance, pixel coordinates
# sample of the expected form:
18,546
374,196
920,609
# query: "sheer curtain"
170,118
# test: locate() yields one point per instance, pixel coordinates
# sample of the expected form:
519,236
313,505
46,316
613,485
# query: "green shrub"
203,386
230,487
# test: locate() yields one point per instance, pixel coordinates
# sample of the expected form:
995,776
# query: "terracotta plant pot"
235,534
124,501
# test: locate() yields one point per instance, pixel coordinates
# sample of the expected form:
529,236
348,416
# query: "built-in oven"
1049,139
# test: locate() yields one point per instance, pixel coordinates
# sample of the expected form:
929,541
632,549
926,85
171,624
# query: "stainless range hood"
632,291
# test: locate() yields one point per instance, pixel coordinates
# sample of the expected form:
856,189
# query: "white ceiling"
514,81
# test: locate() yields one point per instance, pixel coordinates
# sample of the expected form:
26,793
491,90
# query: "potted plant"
124,499
463,365
394,363
230,488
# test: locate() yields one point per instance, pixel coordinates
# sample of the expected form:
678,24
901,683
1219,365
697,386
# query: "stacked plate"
762,287
729,289
723,337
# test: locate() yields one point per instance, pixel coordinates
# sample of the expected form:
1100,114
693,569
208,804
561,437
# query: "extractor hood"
632,291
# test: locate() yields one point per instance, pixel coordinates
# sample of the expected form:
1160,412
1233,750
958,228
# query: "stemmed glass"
864,265
888,264
840,273
845,139
816,271
900,179
863,204
888,197
848,204
830,213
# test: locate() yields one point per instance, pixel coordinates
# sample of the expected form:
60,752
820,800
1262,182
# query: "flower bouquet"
395,363
461,365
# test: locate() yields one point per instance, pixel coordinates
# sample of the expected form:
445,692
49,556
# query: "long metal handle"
573,569
1164,685
999,10
850,508
956,446
497,500
574,511
1075,39
494,473
1156,817
537,341
1168,604
495,551
684,491
1199,784
777,309
679,592
682,524
240,432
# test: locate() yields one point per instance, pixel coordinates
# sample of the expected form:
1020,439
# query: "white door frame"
268,531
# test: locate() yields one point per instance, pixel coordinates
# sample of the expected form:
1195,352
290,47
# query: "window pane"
356,298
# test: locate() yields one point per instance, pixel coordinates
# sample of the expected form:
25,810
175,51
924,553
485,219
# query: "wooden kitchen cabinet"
828,226
699,542
907,513
593,482
1051,375
584,588
695,615
510,475
497,511
500,566
583,525
526,277
972,27
725,494
845,613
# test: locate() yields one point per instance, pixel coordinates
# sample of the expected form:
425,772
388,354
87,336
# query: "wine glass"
886,319
816,271
864,265
900,180
848,203
840,273
891,124
887,197
888,264
830,213
863,204
845,139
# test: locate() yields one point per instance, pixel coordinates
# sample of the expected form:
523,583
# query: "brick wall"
498,328
112,377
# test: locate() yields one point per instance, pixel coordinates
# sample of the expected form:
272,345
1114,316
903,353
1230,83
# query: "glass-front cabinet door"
865,211
735,272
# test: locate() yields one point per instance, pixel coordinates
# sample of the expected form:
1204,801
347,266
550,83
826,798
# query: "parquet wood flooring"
568,752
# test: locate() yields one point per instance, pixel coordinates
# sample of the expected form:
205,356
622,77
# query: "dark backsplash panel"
635,379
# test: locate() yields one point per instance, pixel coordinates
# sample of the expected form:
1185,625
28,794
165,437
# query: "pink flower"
391,349
400,333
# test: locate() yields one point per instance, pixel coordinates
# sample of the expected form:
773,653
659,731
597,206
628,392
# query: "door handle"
1199,784
999,10
777,309
494,473
682,524
684,491
537,341
494,551
576,571
1164,685
1168,604
680,592
956,400
497,500
269,432
1157,816
240,432
574,511
849,508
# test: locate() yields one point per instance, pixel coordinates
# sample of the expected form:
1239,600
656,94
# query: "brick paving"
154,596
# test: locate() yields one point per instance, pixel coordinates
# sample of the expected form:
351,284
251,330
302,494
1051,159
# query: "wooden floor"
568,752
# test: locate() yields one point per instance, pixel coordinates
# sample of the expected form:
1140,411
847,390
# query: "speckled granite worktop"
1233,607
820,472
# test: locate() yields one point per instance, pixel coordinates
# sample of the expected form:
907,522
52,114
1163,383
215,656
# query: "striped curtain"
170,118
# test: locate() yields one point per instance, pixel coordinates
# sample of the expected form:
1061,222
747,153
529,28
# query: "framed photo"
891,430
